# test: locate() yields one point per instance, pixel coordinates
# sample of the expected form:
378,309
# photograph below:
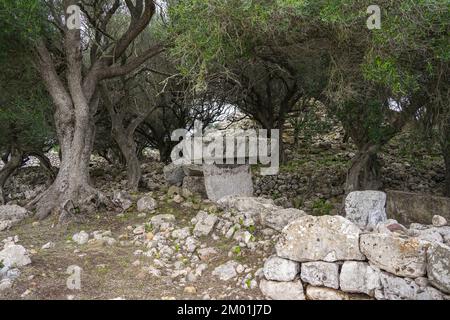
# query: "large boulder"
321,274
174,174
276,290
13,256
279,269
325,238
359,277
402,256
227,180
280,218
438,266
366,208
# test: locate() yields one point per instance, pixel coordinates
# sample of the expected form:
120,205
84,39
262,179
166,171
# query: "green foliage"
321,207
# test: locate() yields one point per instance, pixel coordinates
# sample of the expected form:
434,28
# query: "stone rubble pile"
12,257
362,256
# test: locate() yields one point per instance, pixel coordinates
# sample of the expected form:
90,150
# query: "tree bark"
364,173
127,145
445,147
10,167
45,164
76,102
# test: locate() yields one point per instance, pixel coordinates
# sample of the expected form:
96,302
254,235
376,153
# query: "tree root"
69,205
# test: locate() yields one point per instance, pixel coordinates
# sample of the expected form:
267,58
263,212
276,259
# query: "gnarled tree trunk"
14,162
127,145
76,99
364,173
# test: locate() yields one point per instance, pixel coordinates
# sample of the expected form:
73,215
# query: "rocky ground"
161,246
168,243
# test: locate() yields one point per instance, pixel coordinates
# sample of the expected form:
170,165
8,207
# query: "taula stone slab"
326,238
222,181
402,256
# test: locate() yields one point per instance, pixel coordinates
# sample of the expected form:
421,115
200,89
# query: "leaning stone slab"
227,180
279,269
326,238
402,256
366,208
359,277
438,266
282,290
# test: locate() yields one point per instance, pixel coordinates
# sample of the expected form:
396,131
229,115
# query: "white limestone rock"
366,208
325,238
279,269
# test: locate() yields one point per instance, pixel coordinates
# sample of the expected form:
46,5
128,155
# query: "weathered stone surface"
366,208
11,215
146,203
359,277
181,233
205,224
226,271
5,284
321,293
282,290
278,219
174,174
438,267
161,219
326,238
401,256
227,181
279,269
14,255
438,221
396,288
247,204
321,274
206,254
391,226
81,237
195,185
12,212
407,207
